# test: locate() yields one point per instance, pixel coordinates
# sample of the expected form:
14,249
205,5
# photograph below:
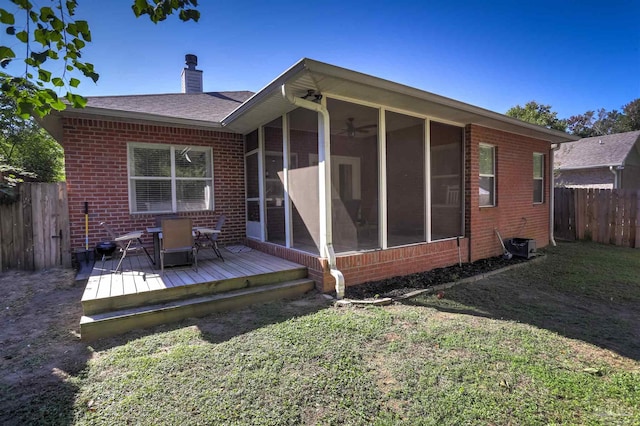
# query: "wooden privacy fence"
34,231
608,216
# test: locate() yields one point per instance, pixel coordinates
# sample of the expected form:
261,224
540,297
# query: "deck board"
138,277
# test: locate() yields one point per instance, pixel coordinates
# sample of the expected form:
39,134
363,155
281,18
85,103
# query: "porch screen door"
252,181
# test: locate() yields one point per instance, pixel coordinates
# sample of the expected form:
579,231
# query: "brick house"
608,161
356,177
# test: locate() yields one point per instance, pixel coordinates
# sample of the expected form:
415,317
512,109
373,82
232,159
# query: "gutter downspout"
324,174
615,177
552,196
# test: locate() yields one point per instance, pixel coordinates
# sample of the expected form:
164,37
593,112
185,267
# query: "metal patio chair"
130,242
207,237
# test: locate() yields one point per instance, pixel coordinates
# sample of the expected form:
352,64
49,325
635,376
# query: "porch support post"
324,179
382,166
262,183
324,184
552,196
286,155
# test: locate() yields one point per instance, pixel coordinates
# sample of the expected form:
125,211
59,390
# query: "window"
487,176
169,178
538,177
446,150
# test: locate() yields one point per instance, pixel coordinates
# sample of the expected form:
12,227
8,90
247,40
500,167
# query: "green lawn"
552,342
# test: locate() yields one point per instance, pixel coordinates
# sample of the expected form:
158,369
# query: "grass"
555,342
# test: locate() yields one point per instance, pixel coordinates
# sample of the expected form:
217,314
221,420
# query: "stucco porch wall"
515,214
96,172
374,265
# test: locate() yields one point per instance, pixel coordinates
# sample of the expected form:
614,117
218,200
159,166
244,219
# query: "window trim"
173,178
541,178
493,175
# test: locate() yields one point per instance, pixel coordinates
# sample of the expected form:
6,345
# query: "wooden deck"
141,290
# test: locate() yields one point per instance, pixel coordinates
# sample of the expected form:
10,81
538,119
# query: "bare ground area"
39,338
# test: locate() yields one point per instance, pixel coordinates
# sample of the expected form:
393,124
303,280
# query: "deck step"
119,321
92,305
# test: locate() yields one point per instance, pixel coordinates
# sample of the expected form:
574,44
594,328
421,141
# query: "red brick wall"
515,214
373,265
96,171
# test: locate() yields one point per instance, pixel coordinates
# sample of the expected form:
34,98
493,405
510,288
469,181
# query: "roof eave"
592,166
141,116
320,70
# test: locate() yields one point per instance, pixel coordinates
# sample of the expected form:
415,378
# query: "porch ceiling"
326,79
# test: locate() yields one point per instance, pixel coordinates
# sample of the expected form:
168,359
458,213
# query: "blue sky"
574,55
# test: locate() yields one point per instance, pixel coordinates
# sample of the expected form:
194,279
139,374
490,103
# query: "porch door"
252,182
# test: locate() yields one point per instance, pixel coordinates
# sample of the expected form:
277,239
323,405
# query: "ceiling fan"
352,130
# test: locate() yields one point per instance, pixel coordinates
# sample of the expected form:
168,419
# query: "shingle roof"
598,151
208,106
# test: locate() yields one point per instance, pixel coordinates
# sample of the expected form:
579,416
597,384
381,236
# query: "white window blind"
170,178
487,197
538,177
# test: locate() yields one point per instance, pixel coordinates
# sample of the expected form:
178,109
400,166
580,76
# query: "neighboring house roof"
243,111
208,106
598,151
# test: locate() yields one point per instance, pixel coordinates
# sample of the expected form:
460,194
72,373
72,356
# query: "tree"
632,114
26,148
53,39
605,122
538,114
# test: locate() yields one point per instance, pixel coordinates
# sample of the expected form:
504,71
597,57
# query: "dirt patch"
39,340
401,285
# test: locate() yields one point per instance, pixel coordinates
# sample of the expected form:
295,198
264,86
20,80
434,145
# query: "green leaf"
58,105
41,35
57,81
76,100
57,24
39,58
24,4
189,15
140,7
6,17
71,7
74,82
46,13
6,54
44,75
79,44
23,36
83,29
72,29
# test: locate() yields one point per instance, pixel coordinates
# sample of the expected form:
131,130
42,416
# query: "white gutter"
615,177
324,183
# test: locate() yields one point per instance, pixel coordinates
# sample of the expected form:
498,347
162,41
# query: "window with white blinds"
170,178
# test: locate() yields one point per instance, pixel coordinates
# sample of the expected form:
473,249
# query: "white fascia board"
593,166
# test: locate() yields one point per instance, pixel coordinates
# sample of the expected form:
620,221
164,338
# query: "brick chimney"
191,77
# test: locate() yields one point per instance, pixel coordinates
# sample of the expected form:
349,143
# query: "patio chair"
130,242
207,237
177,237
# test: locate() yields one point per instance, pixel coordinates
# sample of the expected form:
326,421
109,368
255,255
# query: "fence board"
602,215
27,228
633,218
580,210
